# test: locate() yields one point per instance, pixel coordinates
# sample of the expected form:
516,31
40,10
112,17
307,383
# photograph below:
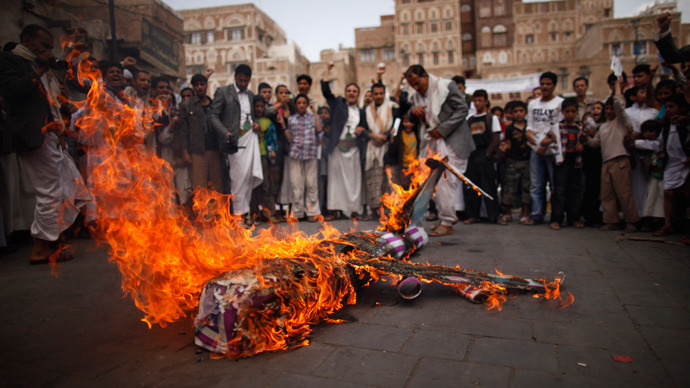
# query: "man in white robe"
444,132
346,140
380,116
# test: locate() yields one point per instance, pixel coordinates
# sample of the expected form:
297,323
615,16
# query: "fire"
271,285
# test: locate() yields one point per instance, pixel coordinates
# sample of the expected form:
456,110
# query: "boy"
642,78
302,130
517,165
542,114
676,146
263,194
616,185
567,195
652,159
664,90
638,113
486,133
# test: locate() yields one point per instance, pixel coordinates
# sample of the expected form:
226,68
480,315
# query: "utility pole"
113,32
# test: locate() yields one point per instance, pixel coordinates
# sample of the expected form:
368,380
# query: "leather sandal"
441,230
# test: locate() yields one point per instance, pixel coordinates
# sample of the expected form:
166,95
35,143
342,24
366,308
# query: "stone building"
223,37
376,45
344,72
499,39
147,30
428,33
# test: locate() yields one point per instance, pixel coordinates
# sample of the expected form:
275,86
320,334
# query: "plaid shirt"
569,140
304,140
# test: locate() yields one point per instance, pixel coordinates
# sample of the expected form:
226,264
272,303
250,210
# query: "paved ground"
631,299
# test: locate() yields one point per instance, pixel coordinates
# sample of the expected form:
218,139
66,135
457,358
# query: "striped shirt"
304,140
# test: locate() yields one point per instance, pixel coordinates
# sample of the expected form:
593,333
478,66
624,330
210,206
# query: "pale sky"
323,24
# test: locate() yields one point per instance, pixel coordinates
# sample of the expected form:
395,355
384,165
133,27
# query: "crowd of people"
280,155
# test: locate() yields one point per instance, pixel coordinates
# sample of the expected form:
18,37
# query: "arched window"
499,29
466,37
465,8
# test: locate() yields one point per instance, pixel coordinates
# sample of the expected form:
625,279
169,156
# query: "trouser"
540,173
480,170
567,196
516,183
206,170
616,188
263,194
303,174
591,168
447,188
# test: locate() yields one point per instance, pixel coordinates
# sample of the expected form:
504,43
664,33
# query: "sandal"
555,226
432,217
579,224
470,221
442,230
529,221
505,219
664,231
524,219
60,257
608,227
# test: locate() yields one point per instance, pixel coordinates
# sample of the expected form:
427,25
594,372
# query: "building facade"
221,38
499,39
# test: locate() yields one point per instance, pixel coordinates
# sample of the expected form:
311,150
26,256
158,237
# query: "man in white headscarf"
380,114
35,131
442,109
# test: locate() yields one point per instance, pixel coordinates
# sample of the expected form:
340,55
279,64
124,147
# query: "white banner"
521,83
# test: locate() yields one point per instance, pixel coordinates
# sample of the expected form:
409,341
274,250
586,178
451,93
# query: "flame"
166,258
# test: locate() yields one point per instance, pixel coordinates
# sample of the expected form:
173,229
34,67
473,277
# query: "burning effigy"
255,290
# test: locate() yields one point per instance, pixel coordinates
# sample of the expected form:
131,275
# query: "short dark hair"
301,95
609,101
642,68
568,102
678,99
199,78
156,80
458,79
9,46
667,83
305,77
353,84
258,98
263,86
244,69
282,86
105,65
550,75
481,93
581,78
496,109
378,85
141,71
185,89
31,30
417,70
633,91
651,125
613,78
321,108
519,104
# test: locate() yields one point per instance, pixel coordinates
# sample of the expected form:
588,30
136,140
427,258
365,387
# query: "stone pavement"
631,299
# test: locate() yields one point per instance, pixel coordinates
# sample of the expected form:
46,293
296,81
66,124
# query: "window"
367,55
389,53
209,37
405,29
568,36
436,56
195,69
405,58
231,66
563,76
195,37
451,57
466,37
554,36
449,25
499,39
419,26
514,95
420,58
496,96
529,39
237,33
434,27
499,8
484,11
616,49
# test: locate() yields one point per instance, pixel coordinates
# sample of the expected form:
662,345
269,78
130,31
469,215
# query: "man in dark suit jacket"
347,142
30,93
231,106
664,42
197,139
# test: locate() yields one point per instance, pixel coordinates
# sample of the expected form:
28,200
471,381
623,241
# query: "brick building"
224,37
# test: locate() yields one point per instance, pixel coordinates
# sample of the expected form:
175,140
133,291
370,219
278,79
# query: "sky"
315,25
